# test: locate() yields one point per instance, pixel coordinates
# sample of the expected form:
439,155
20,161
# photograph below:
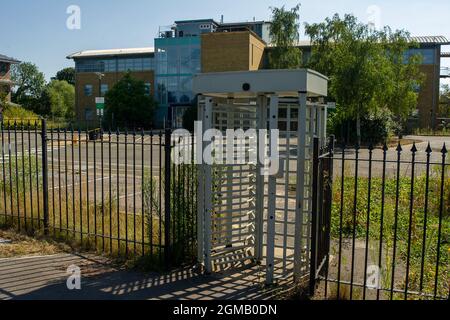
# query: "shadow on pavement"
41,278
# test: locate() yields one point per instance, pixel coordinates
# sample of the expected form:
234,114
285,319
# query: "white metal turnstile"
245,215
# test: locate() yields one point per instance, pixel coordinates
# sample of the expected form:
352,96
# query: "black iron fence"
382,226
114,192
381,222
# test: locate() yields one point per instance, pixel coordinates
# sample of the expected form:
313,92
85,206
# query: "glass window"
104,89
88,90
89,114
428,55
172,61
176,61
162,90
114,65
172,89
147,64
186,84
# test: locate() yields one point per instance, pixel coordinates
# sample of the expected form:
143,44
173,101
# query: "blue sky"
35,30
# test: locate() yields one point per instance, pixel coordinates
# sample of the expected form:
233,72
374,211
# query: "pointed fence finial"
429,150
414,148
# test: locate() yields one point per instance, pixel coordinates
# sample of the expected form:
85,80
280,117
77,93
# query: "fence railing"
115,192
389,234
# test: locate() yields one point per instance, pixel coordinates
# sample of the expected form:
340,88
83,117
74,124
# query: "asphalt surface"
375,168
87,168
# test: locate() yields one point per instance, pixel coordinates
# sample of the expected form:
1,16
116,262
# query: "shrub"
20,115
183,211
376,127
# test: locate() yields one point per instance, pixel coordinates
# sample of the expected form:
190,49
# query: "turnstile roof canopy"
248,84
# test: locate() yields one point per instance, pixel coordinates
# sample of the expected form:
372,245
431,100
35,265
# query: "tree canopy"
128,103
66,74
284,32
404,78
367,68
61,97
444,109
30,83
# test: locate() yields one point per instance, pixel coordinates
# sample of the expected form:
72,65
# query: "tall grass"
103,224
183,210
398,222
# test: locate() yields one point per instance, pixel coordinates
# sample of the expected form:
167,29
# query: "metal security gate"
289,196
245,213
321,205
229,190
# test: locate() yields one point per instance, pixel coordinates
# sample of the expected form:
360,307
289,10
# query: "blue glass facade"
115,64
177,61
428,55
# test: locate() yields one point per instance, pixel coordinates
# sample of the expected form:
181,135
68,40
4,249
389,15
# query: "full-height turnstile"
246,213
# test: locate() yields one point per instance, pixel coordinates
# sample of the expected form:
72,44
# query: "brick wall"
231,51
427,101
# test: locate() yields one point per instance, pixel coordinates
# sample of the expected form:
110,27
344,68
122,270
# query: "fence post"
167,196
45,174
329,204
314,226
329,199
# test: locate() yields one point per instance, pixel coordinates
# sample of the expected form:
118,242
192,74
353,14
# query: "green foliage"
445,94
404,75
357,216
128,104
30,84
366,67
61,98
23,169
183,210
3,102
444,107
15,112
349,53
378,126
66,74
284,32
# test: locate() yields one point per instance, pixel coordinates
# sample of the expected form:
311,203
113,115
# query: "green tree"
354,56
284,32
405,76
66,74
2,100
129,104
61,98
444,109
30,83
354,60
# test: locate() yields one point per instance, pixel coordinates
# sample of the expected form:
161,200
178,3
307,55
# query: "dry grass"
393,142
22,245
86,226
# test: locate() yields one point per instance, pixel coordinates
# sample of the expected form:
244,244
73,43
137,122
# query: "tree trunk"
358,128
